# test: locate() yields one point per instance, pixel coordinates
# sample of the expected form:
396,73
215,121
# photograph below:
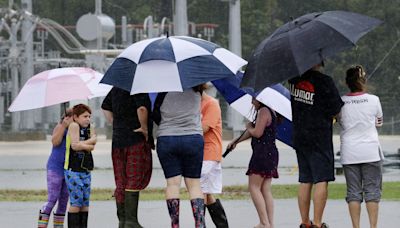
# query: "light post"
235,45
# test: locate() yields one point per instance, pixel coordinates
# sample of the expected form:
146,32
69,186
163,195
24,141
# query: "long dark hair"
355,79
279,117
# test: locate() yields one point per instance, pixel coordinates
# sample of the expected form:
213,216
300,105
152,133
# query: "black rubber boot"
83,218
121,215
131,210
218,215
74,220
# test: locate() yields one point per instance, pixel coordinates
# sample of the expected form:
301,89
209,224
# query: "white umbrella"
58,86
173,63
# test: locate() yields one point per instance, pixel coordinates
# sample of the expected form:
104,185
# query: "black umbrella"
302,43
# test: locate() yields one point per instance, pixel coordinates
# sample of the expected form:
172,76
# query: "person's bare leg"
255,182
269,200
319,201
193,187
74,209
355,211
173,186
303,200
210,199
373,209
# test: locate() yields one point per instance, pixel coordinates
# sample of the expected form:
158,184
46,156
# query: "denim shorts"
181,155
364,181
315,165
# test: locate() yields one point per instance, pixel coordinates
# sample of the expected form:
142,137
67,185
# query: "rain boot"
83,217
58,220
131,210
74,220
217,214
121,215
43,220
198,212
173,210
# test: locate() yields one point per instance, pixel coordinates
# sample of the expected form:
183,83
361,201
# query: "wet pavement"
240,213
22,167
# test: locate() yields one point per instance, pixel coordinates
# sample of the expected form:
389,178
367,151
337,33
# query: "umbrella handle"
64,106
228,150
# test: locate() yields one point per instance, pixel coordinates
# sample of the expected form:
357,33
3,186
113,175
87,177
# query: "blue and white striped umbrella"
172,63
277,97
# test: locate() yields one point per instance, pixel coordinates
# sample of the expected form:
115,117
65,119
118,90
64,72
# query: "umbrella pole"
64,106
228,150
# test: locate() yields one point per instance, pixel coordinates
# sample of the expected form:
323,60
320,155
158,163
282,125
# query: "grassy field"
391,191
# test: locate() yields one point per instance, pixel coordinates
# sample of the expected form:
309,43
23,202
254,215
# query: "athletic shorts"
78,184
211,177
181,155
364,181
315,165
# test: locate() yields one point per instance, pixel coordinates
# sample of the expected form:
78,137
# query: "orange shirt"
211,116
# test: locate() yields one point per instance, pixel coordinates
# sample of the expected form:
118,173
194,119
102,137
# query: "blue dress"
265,157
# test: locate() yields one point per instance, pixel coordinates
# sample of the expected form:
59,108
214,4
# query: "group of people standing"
189,147
182,118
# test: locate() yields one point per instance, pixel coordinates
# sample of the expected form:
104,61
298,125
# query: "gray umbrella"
302,43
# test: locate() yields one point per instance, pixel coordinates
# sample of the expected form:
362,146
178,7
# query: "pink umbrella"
58,86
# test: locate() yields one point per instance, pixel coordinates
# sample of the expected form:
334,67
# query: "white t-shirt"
358,136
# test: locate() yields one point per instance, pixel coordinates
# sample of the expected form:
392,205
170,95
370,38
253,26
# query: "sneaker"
323,225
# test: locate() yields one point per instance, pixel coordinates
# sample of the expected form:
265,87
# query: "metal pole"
123,30
99,27
14,53
27,118
235,32
98,7
180,18
148,27
235,45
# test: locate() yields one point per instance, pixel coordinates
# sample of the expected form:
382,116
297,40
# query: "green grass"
391,191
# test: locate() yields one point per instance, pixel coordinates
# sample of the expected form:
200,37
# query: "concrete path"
241,214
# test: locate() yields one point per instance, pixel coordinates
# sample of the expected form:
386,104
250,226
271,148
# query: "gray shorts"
363,181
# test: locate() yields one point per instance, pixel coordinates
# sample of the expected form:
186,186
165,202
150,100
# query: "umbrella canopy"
58,86
302,43
276,97
173,63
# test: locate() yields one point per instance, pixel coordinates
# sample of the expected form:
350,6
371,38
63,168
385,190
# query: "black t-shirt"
315,101
125,119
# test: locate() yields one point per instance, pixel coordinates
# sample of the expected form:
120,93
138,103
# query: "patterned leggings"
56,192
